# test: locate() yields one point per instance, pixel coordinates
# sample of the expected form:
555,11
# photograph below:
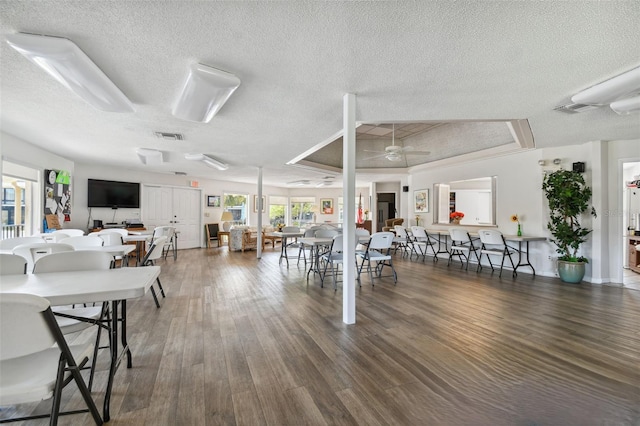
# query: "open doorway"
631,224
386,207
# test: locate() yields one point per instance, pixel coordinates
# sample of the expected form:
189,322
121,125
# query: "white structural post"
349,222
259,208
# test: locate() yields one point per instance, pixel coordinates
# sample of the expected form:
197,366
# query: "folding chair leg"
155,298
160,286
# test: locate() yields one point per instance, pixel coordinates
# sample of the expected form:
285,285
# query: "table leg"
114,356
113,347
527,263
313,260
283,251
175,246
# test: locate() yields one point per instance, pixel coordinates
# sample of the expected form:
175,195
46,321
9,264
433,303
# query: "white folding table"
113,286
284,236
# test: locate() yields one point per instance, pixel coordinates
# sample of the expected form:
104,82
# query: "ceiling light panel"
204,93
622,86
150,157
209,161
65,62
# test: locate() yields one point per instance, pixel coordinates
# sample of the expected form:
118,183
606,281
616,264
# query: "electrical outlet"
549,257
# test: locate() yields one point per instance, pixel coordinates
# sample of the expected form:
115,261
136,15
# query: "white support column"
349,222
259,208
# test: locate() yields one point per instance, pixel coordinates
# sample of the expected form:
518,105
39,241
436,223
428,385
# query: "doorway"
630,223
177,207
386,207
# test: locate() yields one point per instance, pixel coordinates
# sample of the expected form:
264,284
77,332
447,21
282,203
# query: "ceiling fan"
395,152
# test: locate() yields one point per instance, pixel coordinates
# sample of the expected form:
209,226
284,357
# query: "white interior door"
186,217
178,207
157,206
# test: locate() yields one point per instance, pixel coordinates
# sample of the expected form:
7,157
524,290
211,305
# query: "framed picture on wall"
421,200
255,203
213,201
327,205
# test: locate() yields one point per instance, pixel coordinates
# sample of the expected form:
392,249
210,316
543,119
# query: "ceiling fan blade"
384,154
417,152
378,152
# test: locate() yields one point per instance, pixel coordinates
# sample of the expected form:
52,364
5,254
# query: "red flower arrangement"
456,215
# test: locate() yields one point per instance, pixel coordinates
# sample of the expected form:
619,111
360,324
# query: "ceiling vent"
169,136
180,173
574,108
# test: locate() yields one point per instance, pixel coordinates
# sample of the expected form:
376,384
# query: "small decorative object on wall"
327,205
57,194
255,203
213,201
421,200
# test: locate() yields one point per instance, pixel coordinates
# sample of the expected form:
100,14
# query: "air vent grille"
574,108
169,136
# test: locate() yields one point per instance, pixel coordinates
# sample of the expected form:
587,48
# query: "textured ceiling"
422,143
405,61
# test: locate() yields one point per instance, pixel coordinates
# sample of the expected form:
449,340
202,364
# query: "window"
277,210
237,205
301,213
16,207
341,208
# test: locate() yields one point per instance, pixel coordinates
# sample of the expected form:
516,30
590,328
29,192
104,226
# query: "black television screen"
113,194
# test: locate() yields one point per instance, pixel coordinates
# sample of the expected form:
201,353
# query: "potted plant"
568,197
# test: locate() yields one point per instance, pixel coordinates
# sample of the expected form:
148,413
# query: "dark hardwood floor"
250,342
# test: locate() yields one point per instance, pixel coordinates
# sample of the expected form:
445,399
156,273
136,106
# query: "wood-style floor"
250,342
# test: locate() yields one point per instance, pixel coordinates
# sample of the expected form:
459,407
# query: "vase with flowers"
456,217
516,218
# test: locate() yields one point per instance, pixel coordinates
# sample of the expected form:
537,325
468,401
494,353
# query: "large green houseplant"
568,197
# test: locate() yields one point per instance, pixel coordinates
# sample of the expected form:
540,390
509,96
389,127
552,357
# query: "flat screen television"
113,194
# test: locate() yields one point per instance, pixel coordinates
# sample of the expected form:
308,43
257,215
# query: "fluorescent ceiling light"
69,65
626,106
616,88
204,93
209,161
150,157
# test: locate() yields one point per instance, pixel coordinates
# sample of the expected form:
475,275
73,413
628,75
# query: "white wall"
83,172
333,193
20,152
518,191
519,181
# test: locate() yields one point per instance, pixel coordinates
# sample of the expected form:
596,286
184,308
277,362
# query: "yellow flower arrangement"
516,218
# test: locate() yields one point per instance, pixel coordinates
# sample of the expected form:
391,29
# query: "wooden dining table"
113,286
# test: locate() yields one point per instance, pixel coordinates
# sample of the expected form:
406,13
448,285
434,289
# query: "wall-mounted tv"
113,194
